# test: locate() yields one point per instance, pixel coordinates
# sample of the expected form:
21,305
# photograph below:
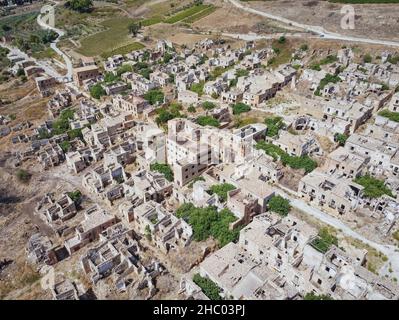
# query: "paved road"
53,45
323,33
390,251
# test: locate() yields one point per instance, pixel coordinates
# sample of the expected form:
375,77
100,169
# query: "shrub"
76,196
97,91
23,175
241,108
367,58
274,124
154,97
341,138
208,121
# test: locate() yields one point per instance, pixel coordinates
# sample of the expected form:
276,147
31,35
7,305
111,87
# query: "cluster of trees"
143,69
134,28
207,105
240,107
209,288
81,6
154,96
274,124
303,162
221,190
208,121
373,188
341,138
97,91
168,113
43,36
164,169
324,240
208,222
61,126
279,205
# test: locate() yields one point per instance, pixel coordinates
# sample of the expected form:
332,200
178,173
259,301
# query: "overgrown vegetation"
279,205
324,240
208,222
329,78
221,190
23,176
209,288
163,168
240,107
373,188
393,116
208,121
303,162
207,105
198,88
274,124
341,138
154,96
76,196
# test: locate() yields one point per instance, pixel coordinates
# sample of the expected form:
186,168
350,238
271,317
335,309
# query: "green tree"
191,109
240,107
282,39
373,188
154,96
76,196
164,169
80,5
134,28
65,146
274,124
279,205
207,105
97,91
208,121
367,58
341,138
